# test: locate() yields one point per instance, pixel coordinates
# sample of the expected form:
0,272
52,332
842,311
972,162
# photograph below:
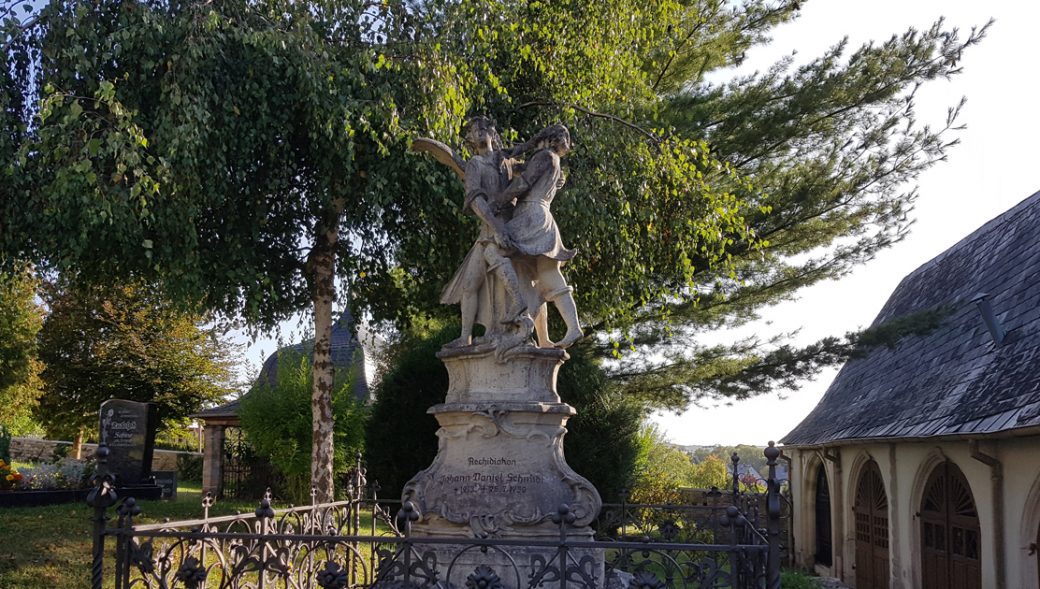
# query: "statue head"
555,137
480,135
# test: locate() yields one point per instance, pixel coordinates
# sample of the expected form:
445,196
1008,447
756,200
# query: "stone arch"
859,462
934,458
814,464
870,510
819,485
949,531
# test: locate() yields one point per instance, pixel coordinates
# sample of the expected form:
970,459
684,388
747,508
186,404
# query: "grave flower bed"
9,477
44,484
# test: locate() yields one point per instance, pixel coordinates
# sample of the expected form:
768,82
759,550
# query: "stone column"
213,460
500,471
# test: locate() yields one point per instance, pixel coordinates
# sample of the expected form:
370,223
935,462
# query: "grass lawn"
49,547
797,580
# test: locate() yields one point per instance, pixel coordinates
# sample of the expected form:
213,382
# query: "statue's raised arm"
442,153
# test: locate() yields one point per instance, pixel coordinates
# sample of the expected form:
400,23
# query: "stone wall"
37,450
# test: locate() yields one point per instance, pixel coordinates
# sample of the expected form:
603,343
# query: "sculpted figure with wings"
513,267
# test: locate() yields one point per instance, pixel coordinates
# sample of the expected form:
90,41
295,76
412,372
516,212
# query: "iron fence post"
624,512
207,502
264,513
730,518
101,497
374,498
406,516
736,479
773,517
127,510
563,518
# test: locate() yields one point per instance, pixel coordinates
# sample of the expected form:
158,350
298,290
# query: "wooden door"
949,532
823,519
871,515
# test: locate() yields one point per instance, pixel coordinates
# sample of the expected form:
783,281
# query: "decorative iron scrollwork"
191,573
669,530
483,577
141,556
332,576
646,580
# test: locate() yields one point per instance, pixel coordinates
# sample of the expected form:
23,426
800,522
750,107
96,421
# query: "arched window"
871,515
949,532
824,554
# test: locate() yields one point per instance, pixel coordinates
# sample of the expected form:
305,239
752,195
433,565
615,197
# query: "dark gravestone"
167,479
128,429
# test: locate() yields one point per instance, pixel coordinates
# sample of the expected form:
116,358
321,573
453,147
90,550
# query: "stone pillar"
500,471
213,460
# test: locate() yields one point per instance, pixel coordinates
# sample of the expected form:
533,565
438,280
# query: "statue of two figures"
512,271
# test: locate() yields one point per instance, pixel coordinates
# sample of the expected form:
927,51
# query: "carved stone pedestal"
500,472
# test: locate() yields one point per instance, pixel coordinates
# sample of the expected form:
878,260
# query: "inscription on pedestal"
491,476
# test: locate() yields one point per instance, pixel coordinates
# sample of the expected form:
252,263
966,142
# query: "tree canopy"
127,343
244,153
20,322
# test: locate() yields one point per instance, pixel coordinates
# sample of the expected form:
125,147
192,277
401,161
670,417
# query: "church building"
920,466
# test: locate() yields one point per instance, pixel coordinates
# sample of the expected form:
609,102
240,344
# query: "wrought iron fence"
359,543
245,474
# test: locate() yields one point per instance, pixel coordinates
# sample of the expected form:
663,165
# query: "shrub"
277,422
189,467
401,437
602,441
5,444
661,469
797,580
710,472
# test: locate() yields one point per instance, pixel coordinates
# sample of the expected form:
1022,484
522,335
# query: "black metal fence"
363,542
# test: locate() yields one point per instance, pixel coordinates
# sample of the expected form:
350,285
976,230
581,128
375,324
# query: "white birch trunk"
323,270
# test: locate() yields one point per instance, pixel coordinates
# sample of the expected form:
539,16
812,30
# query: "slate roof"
955,380
346,351
226,410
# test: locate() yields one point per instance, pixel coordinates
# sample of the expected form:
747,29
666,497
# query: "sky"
995,167
991,171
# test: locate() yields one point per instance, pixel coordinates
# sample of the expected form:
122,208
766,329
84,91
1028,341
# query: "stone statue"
514,266
500,470
486,266
533,233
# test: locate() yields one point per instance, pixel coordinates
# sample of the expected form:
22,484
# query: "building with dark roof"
920,466
221,423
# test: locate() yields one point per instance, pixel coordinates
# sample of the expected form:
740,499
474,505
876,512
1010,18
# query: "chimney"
996,330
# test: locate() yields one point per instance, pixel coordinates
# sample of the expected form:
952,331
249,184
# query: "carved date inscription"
490,476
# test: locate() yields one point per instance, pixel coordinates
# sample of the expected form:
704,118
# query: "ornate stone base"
461,566
500,471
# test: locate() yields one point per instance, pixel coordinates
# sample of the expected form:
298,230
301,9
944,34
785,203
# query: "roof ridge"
988,226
